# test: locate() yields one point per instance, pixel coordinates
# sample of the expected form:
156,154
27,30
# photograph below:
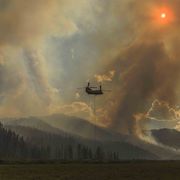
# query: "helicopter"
94,90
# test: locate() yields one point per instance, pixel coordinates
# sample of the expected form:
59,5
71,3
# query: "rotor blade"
93,87
107,90
81,88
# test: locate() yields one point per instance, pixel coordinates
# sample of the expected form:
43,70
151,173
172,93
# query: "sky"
49,48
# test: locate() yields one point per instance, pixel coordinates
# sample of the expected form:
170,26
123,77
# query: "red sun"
163,15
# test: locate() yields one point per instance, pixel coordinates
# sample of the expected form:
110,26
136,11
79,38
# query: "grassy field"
125,170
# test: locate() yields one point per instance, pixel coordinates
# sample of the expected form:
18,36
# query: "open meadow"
146,170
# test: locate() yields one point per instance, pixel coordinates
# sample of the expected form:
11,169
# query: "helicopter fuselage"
93,92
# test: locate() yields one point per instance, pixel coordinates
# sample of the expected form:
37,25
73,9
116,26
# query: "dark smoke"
147,73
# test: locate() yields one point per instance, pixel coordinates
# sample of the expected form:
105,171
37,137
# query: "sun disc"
163,15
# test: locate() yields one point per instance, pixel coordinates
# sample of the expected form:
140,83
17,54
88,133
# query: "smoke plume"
147,69
25,27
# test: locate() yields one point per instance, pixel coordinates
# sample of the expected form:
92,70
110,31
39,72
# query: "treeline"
12,146
48,146
82,152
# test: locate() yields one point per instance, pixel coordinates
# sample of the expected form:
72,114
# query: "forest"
15,147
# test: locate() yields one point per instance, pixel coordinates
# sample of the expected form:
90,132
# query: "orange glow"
163,15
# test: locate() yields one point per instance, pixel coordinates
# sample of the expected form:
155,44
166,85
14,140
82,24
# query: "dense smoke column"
147,73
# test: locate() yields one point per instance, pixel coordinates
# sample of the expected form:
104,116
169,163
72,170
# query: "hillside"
82,128
168,137
32,122
56,130
54,141
63,124
37,137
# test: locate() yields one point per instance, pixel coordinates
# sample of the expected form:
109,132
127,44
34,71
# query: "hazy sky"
48,48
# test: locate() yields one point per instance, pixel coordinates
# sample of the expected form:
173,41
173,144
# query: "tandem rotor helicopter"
94,90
